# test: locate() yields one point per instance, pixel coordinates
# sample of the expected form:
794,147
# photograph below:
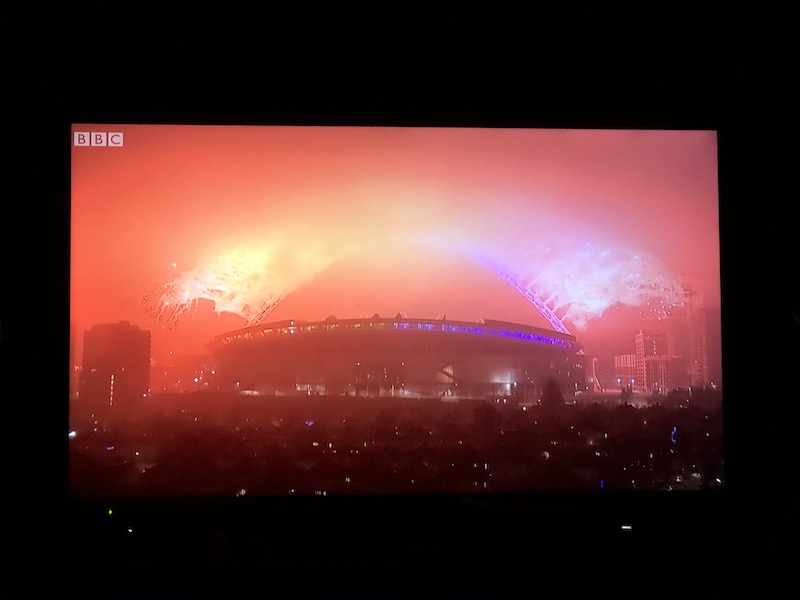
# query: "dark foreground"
202,445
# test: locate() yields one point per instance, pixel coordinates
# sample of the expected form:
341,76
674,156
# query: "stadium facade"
399,356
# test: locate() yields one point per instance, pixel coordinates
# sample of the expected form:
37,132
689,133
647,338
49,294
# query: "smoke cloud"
578,281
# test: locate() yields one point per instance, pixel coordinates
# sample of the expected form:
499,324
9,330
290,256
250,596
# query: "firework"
248,282
567,282
580,283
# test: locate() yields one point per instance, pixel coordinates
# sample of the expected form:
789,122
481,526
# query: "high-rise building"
625,370
702,341
658,368
73,364
713,346
697,355
664,373
115,374
682,350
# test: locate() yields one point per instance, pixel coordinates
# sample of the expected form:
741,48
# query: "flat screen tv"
262,311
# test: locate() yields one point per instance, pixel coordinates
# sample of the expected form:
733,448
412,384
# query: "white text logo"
109,139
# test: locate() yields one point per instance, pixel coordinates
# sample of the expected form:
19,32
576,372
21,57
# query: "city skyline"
351,221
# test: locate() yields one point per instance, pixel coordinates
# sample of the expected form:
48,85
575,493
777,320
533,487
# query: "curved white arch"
269,305
529,294
534,299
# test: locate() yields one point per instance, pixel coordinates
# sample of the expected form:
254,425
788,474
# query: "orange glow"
355,220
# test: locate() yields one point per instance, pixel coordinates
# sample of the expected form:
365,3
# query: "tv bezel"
551,499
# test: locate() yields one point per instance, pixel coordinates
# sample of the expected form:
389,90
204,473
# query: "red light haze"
353,217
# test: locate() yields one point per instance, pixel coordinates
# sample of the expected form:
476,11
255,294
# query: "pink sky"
364,220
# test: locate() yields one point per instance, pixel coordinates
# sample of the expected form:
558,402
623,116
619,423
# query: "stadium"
400,356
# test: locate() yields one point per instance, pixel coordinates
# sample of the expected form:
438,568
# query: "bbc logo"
109,139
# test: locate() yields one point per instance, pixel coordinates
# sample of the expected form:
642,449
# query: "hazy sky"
355,221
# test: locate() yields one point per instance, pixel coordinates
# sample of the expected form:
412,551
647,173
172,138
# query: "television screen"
273,311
